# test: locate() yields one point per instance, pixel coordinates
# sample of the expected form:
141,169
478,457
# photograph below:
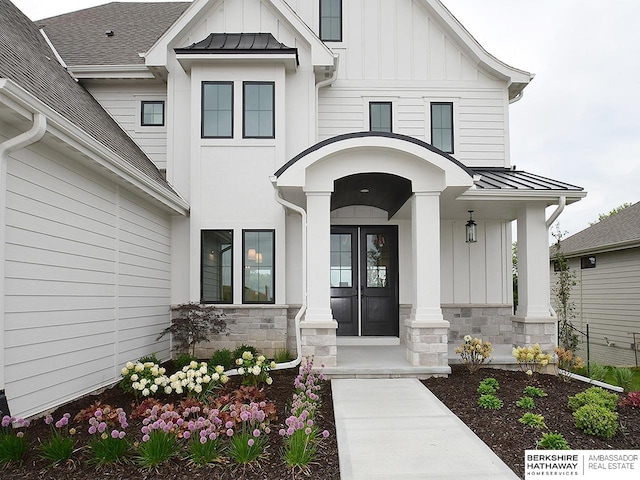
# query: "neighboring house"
321,158
606,260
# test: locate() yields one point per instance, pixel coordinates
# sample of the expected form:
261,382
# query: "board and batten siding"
87,280
607,297
124,104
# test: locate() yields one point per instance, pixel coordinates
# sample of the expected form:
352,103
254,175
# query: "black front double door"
364,280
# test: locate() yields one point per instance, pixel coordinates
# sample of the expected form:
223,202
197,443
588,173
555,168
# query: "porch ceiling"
381,190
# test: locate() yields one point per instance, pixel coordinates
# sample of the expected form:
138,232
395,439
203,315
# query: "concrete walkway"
397,429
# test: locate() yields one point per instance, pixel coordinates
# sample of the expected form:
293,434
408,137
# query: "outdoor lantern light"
470,228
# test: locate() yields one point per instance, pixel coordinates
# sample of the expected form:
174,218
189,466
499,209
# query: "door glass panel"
341,260
377,261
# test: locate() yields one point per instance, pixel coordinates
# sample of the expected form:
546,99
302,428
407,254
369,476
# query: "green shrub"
534,392
534,420
623,377
594,396
597,372
223,357
526,402
237,353
596,420
488,386
490,402
149,358
183,360
553,441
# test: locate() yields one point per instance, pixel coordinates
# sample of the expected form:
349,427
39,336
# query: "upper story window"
259,110
588,262
216,271
152,113
380,116
331,20
217,109
442,126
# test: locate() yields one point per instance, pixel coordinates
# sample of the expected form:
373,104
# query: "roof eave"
288,59
98,153
611,247
552,196
110,71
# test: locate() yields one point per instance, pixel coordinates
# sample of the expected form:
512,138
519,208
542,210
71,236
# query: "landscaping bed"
271,466
501,430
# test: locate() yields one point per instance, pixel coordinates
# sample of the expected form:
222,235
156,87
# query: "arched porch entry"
405,174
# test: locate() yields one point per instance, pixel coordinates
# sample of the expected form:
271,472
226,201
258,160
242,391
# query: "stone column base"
319,342
427,343
531,330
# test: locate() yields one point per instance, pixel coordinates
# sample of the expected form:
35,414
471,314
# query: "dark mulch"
500,429
271,468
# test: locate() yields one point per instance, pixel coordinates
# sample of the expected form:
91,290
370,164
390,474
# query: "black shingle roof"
26,59
80,39
620,229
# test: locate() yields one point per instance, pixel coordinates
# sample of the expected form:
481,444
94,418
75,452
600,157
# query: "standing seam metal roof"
507,179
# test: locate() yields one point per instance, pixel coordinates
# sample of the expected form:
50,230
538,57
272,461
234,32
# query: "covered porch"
425,194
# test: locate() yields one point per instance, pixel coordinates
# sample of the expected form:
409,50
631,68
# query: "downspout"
33,135
303,307
562,202
324,83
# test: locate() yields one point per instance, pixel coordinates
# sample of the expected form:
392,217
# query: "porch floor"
389,361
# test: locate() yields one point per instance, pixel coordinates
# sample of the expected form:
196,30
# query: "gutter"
23,140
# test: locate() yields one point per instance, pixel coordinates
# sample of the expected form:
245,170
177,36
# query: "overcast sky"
579,120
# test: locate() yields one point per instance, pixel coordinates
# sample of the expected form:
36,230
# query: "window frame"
202,253
450,104
390,104
588,261
143,103
202,110
245,84
320,33
245,266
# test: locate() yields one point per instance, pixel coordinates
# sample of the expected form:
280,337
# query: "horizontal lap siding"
608,299
87,281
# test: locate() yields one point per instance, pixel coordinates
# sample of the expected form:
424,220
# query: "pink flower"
92,430
325,434
229,432
145,438
250,442
121,435
186,435
307,431
256,433
115,434
203,440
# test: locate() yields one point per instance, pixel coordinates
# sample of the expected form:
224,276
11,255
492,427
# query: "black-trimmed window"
258,262
216,271
442,126
331,20
380,119
152,113
259,110
217,109
588,262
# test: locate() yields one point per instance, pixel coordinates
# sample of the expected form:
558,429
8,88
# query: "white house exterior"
605,259
325,156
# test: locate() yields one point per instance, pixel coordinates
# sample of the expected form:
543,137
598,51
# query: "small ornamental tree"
193,323
565,308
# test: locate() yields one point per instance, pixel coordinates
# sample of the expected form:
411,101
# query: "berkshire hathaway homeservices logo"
583,464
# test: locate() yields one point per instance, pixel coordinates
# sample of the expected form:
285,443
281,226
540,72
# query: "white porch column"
427,331
533,322
318,328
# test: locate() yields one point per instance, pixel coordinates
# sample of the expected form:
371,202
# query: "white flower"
153,388
144,381
238,361
134,377
199,380
145,392
158,380
224,378
135,385
256,370
197,388
139,367
203,369
154,371
162,370
168,389
179,390
206,379
215,377
269,380
241,371
273,365
193,365
247,355
261,359
467,338
219,369
129,365
182,375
